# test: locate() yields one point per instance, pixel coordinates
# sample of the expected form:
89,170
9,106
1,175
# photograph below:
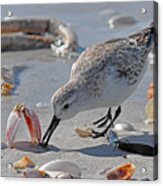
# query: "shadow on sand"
102,150
29,147
145,144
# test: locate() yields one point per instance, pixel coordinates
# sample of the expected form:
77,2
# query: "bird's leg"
102,134
102,121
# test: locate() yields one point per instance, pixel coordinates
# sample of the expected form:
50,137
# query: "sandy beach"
38,75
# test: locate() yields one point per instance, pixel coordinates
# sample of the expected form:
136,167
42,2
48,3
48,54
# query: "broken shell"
150,92
61,169
84,133
123,172
124,126
33,124
150,110
6,88
12,127
35,174
24,162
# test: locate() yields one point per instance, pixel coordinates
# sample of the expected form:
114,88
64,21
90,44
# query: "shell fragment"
123,172
23,163
84,133
6,88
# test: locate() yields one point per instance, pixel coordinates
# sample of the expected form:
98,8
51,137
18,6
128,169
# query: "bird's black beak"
54,123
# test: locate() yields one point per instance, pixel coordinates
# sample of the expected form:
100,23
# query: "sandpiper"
104,75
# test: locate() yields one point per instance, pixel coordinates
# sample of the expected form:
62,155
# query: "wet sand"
42,74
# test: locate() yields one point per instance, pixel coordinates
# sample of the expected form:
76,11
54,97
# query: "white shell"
61,169
121,20
124,127
12,127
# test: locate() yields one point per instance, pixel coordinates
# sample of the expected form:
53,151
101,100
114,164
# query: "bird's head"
66,102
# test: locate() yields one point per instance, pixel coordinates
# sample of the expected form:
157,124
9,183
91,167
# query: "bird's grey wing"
121,58
94,56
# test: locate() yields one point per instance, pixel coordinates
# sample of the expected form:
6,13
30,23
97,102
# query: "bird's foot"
96,134
43,144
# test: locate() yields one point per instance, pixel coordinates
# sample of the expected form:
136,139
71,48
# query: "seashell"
6,88
33,124
124,126
23,163
150,92
35,174
12,127
121,20
61,169
84,133
150,110
123,172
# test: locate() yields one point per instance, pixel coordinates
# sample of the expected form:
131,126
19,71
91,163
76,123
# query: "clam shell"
61,169
124,127
33,123
12,127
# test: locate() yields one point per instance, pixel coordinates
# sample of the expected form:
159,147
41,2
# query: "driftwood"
31,33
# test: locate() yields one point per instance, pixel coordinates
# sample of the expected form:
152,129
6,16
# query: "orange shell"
84,133
150,92
23,163
123,172
6,88
35,174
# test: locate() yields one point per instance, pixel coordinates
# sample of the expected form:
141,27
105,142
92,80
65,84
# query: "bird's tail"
146,37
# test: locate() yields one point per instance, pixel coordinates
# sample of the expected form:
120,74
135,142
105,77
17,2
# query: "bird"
104,75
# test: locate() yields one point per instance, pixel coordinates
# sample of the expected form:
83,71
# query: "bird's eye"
66,106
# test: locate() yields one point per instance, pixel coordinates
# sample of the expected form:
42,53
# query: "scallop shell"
23,163
84,133
124,126
123,172
61,169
